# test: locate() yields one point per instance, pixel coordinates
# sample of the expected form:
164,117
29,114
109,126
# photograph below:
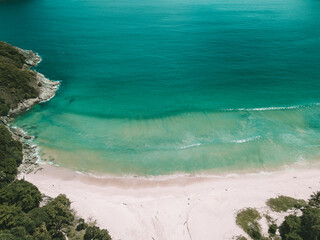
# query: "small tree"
81,225
94,233
272,229
310,223
59,213
314,200
291,226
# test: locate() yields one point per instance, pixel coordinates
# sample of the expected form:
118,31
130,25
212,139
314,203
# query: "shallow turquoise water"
156,87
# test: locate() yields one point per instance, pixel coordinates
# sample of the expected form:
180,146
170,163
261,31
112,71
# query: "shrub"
81,225
247,219
310,223
284,203
291,226
95,233
272,229
314,200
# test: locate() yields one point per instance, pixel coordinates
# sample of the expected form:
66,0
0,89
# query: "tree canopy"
21,193
10,156
16,82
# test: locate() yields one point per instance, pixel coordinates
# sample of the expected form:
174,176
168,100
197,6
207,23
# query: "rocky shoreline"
47,89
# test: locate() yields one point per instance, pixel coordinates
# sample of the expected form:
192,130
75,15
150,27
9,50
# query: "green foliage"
95,233
310,223
9,216
241,238
27,222
57,235
20,215
20,233
7,236
247,219
4,107
10,156
284,203
291,226
41,233
306,226
59,213
272,229
16,83
81,225
293,236
22,193
12,54
39,216
314,200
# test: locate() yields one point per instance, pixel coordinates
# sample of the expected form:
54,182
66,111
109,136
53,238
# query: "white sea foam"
272,108
246,139
191,145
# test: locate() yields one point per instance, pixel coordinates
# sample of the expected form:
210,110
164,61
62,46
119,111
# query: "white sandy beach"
195,207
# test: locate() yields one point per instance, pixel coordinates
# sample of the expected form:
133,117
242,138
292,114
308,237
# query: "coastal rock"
28,137
32,59
47,90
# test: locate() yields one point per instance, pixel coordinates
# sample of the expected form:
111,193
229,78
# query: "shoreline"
200,205
184,207
168,179
211,173
47,90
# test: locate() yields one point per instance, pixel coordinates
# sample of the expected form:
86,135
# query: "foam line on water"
272,108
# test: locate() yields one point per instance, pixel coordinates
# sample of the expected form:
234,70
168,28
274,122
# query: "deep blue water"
158,86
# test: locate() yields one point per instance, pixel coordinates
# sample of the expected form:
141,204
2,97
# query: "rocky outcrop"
46,87
47,90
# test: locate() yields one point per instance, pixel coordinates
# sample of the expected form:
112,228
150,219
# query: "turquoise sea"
153,87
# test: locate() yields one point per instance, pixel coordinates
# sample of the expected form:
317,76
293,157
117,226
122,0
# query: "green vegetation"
284,203
10,156
303,224
21,217
290,228
247,219
20,214
314,200
12,54
240,238
24,194
272,229
16,83
96,233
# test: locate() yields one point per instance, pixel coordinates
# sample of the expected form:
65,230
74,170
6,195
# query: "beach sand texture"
181,207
